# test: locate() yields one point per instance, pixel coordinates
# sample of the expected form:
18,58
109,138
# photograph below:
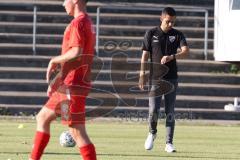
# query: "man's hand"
51,68
49,91
142,81
166,59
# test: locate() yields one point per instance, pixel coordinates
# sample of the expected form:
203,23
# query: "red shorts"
71,108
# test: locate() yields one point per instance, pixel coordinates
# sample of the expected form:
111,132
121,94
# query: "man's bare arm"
182,54
142,77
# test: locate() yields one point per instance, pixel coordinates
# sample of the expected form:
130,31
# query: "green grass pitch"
122,140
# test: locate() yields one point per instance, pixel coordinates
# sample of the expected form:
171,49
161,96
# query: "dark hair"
169,11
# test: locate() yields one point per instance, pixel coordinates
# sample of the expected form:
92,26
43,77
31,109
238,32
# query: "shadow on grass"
173,155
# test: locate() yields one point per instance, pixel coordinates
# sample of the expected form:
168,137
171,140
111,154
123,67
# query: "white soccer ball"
66,139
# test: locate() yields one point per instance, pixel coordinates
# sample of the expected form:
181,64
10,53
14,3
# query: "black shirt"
160,44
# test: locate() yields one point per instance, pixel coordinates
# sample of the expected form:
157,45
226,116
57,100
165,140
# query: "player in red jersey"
67,93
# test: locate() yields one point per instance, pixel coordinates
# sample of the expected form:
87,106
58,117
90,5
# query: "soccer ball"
66,139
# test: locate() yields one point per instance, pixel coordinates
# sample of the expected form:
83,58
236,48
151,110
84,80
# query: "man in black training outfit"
160,45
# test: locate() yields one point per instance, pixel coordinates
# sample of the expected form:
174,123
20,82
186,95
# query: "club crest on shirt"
172,38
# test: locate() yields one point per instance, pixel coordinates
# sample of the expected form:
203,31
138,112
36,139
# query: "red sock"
88,152
40,142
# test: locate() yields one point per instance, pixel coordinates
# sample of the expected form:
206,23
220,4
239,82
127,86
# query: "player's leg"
170,100
76,122
86,148
42,136
44,118
154,107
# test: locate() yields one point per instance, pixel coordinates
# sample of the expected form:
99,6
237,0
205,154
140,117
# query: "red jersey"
79,33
